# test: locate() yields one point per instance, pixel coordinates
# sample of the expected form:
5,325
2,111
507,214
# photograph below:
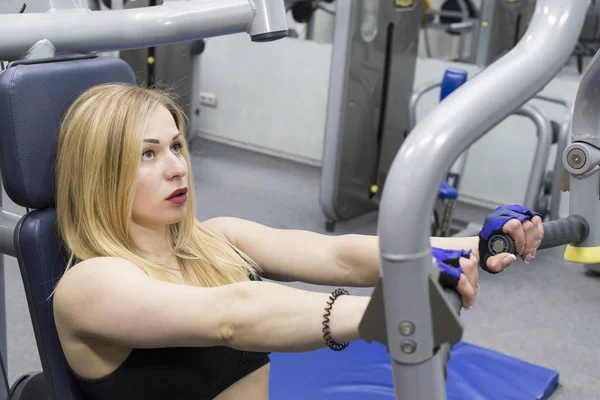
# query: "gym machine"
69,27
362,131
174,21
494,29
407,307
413,335
373,61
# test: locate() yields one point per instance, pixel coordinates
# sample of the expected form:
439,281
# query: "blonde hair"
99,150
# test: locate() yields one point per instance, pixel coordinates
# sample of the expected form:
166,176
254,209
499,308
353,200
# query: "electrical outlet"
208,99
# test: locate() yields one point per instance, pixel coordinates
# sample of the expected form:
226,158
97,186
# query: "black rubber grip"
573,229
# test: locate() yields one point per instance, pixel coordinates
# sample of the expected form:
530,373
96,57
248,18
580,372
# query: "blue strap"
501,215
448,262
493,224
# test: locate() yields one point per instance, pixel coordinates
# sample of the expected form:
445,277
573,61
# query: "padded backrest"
34,96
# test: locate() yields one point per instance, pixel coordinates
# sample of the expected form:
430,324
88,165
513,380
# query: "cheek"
144,193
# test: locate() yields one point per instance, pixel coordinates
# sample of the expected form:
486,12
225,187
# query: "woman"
155,304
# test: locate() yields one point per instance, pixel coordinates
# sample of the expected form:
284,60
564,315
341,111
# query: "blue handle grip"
452,80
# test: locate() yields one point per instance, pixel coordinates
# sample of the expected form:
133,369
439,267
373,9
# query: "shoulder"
224,227
92,275
100,266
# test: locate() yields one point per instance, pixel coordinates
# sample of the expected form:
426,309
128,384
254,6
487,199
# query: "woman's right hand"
459,270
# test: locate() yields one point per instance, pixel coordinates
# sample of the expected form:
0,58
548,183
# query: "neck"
153,241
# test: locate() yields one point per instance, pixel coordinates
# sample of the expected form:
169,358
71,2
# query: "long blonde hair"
99,149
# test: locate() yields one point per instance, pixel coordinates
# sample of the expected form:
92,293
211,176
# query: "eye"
176,147
147,155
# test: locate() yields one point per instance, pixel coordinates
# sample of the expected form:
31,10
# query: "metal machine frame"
408,291
420,322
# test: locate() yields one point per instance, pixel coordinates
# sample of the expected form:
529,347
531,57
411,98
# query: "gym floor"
545,313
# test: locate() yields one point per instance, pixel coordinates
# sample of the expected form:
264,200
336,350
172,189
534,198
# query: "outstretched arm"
359,254
112,300
344,260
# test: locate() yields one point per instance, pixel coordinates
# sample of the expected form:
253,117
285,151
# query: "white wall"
272,98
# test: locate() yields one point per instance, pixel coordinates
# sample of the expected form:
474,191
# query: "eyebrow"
157,141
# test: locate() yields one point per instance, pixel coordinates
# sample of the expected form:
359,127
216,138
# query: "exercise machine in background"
501,26
371,108
484,34
373,62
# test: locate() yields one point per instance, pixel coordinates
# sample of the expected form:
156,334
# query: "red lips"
178,192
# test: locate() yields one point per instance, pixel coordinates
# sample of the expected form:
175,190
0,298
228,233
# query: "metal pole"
83,30
421,164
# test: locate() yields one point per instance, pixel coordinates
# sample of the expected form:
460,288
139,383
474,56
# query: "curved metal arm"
421,164
82,30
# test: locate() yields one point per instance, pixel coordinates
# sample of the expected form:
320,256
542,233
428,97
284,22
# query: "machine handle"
573,229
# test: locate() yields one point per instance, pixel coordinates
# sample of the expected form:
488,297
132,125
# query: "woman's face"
162,181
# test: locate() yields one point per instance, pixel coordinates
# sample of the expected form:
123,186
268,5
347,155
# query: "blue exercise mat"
363,372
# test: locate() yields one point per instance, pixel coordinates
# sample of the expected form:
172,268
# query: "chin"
175,217
161,218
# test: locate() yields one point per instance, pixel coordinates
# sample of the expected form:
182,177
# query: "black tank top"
182,373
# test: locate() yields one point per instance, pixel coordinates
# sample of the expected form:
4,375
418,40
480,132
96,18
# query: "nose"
176,166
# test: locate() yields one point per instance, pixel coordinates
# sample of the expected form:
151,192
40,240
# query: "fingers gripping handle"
573,229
